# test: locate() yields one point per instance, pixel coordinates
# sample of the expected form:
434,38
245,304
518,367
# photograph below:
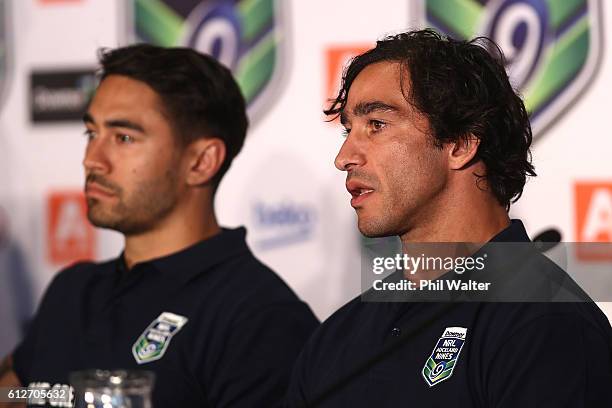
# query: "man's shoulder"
247,290
82,270
248,276
498,322
75,276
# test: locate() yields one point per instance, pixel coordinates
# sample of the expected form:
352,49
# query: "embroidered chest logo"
441,363
153,342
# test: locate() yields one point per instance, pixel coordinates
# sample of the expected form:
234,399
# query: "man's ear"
206,156
462,153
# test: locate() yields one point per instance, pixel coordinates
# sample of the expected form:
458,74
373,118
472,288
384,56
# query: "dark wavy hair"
199,95
463,89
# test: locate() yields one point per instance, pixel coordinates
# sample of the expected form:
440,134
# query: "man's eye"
377,125
345,132
89,134
125,138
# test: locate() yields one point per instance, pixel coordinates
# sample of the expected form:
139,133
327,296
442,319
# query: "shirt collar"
185,264
515,232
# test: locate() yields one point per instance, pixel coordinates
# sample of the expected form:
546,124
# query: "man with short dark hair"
186,298
436,150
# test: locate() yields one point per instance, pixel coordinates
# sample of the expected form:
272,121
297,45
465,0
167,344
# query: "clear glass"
112,389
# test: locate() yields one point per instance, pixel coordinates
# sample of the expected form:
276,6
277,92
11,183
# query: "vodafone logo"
594,218
70,236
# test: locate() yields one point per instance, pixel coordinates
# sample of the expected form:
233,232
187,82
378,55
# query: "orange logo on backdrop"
337,57
70,236
594,219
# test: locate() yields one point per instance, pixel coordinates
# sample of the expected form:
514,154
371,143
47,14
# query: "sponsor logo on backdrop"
552,47
593,201
70,236
60,95
283,223
247,36
337,58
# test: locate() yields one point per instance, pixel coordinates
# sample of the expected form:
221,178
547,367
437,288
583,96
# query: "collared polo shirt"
216,326
503,355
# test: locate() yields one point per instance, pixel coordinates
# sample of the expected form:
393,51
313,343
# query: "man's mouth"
95,190
359,192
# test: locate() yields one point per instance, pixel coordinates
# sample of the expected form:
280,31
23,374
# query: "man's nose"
350,154
96,156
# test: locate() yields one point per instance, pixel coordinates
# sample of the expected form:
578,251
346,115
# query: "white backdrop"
283,186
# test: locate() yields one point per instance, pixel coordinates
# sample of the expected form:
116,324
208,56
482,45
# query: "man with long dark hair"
436,150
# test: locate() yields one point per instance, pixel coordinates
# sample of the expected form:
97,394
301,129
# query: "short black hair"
199,95
463,89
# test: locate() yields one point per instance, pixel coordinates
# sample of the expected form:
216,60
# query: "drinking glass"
112,389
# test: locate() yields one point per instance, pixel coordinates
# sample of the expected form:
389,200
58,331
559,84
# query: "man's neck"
169,236
459,233
476,219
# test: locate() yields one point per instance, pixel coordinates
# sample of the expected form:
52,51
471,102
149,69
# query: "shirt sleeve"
258,358
552,361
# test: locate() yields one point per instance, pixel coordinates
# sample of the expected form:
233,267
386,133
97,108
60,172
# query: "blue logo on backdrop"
282,224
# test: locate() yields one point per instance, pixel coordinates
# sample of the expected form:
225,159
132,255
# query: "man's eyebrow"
115,123
87,118
124,123
343,118
364,108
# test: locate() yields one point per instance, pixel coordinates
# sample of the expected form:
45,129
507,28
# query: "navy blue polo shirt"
218,328
503,355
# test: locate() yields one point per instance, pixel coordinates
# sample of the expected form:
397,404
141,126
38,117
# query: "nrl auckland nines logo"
244,35
154,341
443,359
552,48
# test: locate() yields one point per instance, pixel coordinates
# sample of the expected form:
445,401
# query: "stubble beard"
401,211
382,225
137,212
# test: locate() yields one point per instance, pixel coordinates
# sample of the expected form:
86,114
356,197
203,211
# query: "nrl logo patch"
552,48
244,35
154,341
441,363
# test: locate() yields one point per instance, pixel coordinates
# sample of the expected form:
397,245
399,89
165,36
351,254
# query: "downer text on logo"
60,95
282,224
